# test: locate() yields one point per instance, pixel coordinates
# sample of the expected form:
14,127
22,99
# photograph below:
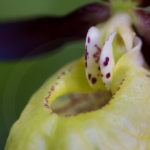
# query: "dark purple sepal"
33,37
143,3
142,25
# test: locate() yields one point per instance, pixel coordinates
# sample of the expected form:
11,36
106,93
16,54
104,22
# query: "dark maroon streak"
86,53
33,37
86,64
89,39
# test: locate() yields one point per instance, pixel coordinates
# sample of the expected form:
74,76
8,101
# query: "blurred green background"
20,79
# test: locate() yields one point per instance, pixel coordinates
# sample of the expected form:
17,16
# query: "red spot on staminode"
94,80
107,75
106,61
101,75
99,68
89,39
89,76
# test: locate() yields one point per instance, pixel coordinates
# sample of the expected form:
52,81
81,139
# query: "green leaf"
20,10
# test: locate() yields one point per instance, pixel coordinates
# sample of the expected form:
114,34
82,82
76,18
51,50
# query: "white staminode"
92,54
121,46
107,61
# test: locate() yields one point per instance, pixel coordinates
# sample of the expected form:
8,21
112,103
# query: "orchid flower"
100,101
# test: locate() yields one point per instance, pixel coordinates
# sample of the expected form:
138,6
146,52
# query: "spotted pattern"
107,61
92,56
113,96
52,88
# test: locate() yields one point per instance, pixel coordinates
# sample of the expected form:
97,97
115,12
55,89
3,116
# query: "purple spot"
97,47
107,75
106,61
89,39
94,80
96,55
89,76
101,75
99,68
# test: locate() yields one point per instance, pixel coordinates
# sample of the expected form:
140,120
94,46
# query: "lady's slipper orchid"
71,110
100,101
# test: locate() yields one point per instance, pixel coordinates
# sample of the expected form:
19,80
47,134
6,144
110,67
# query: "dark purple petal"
142,25
144,3
33,37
